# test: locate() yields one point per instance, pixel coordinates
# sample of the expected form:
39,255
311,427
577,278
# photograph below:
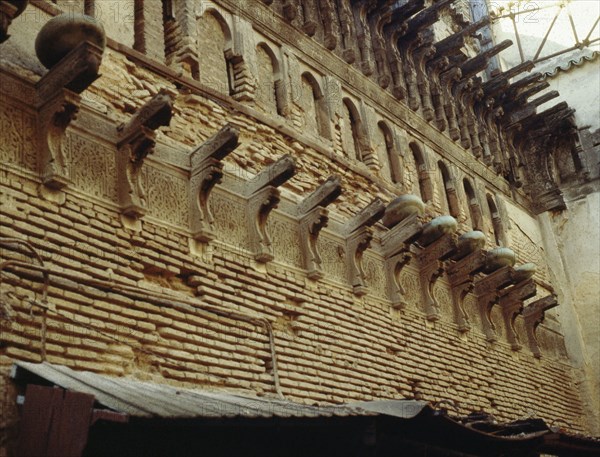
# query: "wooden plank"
70,425
36,421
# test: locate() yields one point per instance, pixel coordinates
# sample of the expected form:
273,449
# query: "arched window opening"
313,105
268,91
425,187
214,42
449,190
351,136
474,208
497,225
391,153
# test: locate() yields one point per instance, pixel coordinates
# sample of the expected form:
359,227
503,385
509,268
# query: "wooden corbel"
207,171
488,291
359,234
9,10
447,80
136,140
58,102
431,261
313,217
511,302
461,275
533,315
263,196
396,249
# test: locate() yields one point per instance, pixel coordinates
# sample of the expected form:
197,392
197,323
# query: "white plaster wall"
573,249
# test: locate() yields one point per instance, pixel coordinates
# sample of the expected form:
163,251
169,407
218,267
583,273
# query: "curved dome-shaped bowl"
498,258
62,34
437,228
401,208
469,242
525,271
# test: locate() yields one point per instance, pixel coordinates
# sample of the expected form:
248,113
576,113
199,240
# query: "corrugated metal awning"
144,399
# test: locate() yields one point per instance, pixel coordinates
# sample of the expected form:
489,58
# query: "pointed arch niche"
425,185
214,47
269,91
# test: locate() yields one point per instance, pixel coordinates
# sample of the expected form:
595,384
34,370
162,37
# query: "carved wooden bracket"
358,238
488,291
447,80
58,102
511,303
431,261
313,217
396,249
9,10
136,141
206,172
263,197
534,314
461,275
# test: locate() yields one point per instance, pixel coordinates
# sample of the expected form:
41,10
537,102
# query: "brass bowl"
401,208
469,242
437,228
61,34
498,258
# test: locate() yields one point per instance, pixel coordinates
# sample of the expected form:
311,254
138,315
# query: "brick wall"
330,344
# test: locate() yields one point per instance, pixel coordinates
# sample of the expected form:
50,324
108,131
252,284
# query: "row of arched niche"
307,105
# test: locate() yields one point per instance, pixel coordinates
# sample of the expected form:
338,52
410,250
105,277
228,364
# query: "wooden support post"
511,303
58,101
313,217
534,315
358,238
488,292
136,141
207,171
263,197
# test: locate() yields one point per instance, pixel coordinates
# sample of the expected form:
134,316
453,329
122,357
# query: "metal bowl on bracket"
498,258
525,271
61,34
437,228
469,242
401,208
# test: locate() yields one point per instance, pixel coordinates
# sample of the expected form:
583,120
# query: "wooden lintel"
273,176
216,147
324,195
367,217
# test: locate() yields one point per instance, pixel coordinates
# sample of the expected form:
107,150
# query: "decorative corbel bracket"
461,275
511,303
534,315
359,234
264,196
488,291
9,10
206,172
58,101
313,217
431,261
136,141
396,249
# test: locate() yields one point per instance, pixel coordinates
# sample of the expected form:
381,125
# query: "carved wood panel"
17,144
92,166
166,195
